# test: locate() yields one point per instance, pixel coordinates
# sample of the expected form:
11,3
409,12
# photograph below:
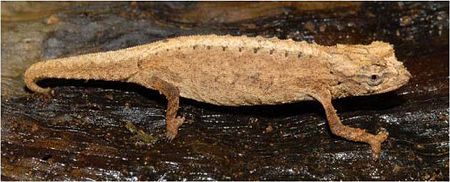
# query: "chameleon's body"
236,71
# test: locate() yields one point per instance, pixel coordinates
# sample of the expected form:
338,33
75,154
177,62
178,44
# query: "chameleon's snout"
401,79
403,75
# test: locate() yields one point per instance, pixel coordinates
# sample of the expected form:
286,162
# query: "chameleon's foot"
172,127
375,143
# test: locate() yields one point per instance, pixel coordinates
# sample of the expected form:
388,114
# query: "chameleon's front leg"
173,122
349,133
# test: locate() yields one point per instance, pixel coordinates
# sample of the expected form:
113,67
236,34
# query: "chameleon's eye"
374,80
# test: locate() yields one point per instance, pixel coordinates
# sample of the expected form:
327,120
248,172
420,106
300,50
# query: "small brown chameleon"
239,70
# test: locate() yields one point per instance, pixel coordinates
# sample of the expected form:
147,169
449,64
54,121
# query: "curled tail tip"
30,78
32,86
45,91
37,89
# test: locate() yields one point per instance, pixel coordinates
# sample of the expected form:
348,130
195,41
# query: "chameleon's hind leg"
349,133
173,122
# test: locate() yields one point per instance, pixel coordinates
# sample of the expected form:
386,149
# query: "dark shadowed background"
114,131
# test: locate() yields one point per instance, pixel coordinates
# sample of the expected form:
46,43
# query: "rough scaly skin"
237,71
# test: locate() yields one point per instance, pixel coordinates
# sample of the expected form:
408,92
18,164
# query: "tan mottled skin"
237,71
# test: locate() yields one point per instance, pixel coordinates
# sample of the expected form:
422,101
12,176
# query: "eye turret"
374,80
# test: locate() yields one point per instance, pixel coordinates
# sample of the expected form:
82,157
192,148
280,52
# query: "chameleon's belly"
234,90
233,96
235,79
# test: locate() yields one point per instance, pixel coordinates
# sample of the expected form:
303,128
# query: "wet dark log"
115,131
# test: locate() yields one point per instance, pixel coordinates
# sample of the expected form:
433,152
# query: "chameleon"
237,71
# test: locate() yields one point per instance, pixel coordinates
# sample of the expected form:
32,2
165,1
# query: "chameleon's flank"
238,71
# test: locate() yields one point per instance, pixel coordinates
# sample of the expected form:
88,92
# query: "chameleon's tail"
31,76
108,66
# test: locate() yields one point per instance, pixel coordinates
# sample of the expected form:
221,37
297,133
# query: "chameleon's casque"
237,71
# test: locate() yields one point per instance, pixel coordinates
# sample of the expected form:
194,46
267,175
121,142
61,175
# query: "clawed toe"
170,136
382,135
179,121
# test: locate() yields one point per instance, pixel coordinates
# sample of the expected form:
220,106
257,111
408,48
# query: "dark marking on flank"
224,47
299,55
286,54
240,49
194,47
271,51
255,50
208,47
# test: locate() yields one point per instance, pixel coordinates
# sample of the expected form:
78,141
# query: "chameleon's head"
366,70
